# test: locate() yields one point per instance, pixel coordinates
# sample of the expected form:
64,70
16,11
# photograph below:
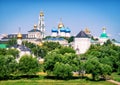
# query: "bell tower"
41,24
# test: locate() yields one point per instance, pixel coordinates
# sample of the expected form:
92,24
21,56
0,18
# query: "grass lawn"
116,77
53,82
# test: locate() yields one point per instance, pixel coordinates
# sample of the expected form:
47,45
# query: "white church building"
81,42
61,31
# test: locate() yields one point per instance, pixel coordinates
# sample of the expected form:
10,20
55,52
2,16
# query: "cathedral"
81,43
61,31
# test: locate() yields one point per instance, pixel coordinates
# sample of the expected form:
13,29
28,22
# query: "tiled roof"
82,34
34,30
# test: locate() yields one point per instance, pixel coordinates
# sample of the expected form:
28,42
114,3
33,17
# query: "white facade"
19,41
67,35
35,34
102,40
54,34
62,34
81,45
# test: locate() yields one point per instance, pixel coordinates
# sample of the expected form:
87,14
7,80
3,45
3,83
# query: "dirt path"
115,82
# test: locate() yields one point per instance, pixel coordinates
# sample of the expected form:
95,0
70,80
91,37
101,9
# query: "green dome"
103,35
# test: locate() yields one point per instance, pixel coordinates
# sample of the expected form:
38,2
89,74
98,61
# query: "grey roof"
22,47
55,39
24,36
82,34
34,30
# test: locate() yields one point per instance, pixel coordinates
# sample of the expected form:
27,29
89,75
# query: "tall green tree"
97,69
62,70
8,66
28,65
60,64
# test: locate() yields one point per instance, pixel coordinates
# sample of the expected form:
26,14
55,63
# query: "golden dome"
87,31
19,35
35,26
60,25
41,13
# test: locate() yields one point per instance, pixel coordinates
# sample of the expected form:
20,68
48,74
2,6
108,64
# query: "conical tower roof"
82,34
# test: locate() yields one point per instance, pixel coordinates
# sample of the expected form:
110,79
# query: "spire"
19,30
19,35
104,29
60,25
41,13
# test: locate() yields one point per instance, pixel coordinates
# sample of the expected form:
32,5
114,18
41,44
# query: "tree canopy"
28,65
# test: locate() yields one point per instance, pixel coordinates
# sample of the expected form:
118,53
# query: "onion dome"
19,36
35,26
60,25
87,31
41,14
62,29
67,30
103,35
54,30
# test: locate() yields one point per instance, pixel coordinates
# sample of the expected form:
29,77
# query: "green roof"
103,35
3,46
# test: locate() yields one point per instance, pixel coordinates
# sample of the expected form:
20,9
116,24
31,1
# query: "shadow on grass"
67,78
39,77
16,77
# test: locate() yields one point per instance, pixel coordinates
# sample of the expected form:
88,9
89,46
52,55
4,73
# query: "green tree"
60,65
93,66
28,65
50,60
51,45
64,50
8,66
71,39
97,69
62,70
105,70
3,51
12,41
12,52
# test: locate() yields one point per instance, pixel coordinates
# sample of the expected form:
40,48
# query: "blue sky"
75,14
